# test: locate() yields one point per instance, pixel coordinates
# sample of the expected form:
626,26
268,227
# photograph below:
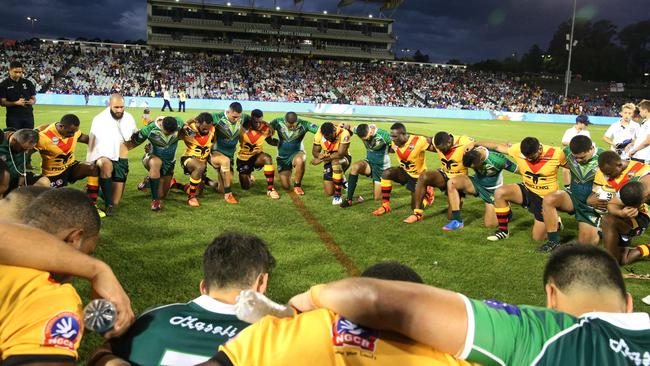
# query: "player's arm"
84,139
270,139
595,200
103,356
414,310
316,154
616,207
33,248
496,146
641,146
607,137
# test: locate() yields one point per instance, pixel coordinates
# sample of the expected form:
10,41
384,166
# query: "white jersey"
641,136
108,134
619,133
573,132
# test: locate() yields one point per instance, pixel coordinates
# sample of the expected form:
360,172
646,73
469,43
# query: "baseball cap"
583,118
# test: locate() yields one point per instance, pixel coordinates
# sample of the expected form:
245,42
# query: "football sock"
502,217
92,189
107,189
194,186
644,249
553,236
154,184
352,185
386,188
337,179
269,174
455,215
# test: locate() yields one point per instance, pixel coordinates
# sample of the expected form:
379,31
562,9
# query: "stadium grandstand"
95,68
173,24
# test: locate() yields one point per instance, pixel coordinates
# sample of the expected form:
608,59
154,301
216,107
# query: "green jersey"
227,132
377,147
15,160
163,146
582,175
490,173
179,334
291,140
504,334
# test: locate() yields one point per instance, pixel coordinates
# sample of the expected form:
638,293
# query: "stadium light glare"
325,12
32,20
277,8
369,15
229,4
646,74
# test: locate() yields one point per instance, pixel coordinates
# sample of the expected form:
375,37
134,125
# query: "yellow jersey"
198,146
38,316
342,137
251,142
411,155
321,337
57,152
539,177
633,172
452,161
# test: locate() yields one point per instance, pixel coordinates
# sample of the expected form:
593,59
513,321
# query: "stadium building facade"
243,29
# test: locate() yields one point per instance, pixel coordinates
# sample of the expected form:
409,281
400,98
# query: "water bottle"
100,316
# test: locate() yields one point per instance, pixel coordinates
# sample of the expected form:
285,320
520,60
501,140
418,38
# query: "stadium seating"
70,69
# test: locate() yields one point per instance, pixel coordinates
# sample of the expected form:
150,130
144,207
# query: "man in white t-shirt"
641,150
166,102
580,128
620,134
109,132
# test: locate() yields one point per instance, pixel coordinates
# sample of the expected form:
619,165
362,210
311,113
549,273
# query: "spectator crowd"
69,69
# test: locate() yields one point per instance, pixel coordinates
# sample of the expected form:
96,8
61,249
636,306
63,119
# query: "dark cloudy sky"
470,30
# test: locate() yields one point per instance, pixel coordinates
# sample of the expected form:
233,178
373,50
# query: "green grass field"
158,256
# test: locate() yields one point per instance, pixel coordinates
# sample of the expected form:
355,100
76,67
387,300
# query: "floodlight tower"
570,45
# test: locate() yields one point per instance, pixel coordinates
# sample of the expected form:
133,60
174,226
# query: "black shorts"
532,202
327,168
246,167
183,164
407,180
639,224
65,178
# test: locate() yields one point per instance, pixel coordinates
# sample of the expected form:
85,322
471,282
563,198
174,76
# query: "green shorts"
487,195
583,212
167,168
120,170
377,169
286,162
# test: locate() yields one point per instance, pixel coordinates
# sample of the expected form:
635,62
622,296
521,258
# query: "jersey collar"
630,321
210,304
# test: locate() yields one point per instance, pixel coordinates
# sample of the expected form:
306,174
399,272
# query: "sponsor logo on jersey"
510,309
346,333
192,323
63,331
55,140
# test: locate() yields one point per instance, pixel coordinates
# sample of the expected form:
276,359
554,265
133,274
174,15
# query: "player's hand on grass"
106,286
251,306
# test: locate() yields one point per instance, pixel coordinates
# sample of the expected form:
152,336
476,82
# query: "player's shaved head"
63,209
397,126
291,117
236,107
362,130
70,120
584,268
235,261
632,194
393,271
116,106
116,98
580,144
13,206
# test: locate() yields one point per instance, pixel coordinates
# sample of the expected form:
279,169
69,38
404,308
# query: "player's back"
320,338
179,334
